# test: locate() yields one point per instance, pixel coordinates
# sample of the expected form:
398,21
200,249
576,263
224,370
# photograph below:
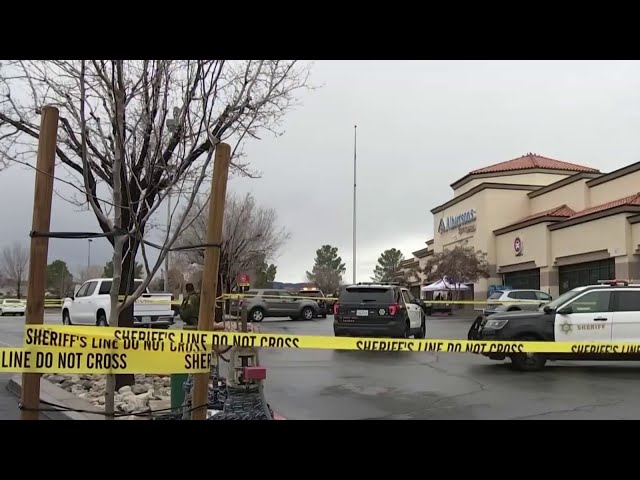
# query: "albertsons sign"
447,223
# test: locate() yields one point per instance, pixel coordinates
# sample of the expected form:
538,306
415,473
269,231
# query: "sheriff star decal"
566,327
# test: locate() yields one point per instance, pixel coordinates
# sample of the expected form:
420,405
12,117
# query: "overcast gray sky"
421,126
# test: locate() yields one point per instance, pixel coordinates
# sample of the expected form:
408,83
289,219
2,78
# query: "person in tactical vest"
190,308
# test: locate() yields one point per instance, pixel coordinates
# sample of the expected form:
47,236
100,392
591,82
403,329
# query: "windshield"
495,295
367,294
310,293
564,298
12,301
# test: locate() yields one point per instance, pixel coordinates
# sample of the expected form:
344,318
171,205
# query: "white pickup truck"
91,305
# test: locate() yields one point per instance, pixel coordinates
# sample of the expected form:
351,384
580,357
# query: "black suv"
378,309
318,296
603,313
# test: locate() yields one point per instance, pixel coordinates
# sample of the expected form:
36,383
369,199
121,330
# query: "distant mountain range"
289,286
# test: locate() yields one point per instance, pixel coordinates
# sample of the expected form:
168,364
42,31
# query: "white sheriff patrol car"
607,312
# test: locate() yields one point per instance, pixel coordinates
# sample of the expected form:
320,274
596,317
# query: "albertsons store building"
544,224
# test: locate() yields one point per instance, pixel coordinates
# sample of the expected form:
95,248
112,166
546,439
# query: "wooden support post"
40,223
243,318
211,265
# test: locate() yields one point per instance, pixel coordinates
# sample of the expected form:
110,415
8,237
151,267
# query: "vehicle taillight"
393,309
336,308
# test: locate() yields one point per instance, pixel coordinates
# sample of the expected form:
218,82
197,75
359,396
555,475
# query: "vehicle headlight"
495,324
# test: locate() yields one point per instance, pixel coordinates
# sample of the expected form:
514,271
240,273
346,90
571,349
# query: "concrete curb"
56,395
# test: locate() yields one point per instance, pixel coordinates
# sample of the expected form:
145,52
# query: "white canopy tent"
444,285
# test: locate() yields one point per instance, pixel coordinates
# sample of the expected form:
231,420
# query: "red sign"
517,246
243,280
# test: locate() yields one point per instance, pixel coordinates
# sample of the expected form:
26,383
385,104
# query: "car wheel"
308,313
102,320
257,315
528,362
1,313
66,319
423,330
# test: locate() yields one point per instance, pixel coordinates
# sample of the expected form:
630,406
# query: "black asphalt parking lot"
346,385
350,385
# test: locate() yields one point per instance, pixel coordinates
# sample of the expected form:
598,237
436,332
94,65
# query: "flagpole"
355,138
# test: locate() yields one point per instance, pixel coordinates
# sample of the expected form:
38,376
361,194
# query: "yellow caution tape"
105,350
79,338
76,360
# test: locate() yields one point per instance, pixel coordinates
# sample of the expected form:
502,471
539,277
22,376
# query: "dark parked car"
378,309
316,293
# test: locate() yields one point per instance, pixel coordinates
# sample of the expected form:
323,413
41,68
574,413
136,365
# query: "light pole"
355,138
89,257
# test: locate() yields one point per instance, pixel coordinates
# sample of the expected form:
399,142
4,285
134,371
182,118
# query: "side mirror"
566,310
547,309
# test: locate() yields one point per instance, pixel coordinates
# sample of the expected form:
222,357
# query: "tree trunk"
219,308
125,319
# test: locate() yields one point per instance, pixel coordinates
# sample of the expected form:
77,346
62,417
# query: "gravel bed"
129,399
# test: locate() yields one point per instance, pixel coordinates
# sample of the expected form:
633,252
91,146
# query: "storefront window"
524,279
582,274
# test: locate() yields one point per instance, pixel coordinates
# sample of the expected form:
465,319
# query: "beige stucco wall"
615,189
635,236
536,243
494,209
608,233
575,195
541,179
513,205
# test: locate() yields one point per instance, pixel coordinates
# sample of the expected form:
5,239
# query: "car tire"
66,318
101,321
256,315
407,331
307,313
528,362
423,330
1,313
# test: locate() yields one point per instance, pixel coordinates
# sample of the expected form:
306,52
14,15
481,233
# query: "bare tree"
14,265
131,132
462,264
326,279
250,236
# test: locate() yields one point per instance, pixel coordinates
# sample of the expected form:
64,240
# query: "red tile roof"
561,211
630,200
533,160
